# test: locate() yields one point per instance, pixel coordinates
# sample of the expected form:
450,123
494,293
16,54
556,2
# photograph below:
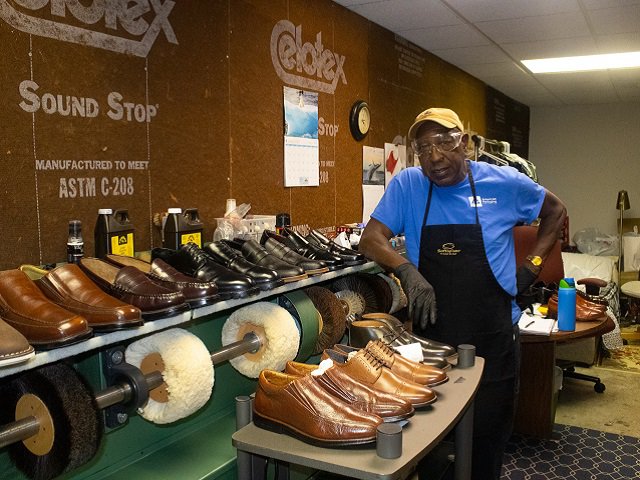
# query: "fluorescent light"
584,63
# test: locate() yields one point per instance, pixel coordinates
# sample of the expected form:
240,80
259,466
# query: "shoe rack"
196,447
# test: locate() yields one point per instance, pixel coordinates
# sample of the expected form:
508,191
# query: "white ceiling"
488,38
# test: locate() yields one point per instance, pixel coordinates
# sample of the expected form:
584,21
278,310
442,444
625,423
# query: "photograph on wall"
372,166
301,152
395,161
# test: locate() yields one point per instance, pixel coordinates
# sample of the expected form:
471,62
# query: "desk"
534,413
425,430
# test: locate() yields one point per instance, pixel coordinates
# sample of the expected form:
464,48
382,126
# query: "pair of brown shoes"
587,309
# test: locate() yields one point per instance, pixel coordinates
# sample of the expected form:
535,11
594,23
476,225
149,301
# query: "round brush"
375,291
333,316
352,302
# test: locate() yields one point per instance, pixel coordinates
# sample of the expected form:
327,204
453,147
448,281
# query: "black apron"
473,308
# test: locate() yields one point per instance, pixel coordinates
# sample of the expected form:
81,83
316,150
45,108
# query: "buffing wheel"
70,422
399,299
187,371
277,331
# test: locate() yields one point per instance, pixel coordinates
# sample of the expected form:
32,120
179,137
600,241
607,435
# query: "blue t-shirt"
506,198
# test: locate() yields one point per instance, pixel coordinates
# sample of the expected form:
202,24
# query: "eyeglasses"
442,142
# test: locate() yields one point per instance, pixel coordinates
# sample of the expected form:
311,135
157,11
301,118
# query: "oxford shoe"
366,368
414,371
263,278
196,293
310,267
363,331
133,287
256,253
14,347
429,347
390,408
69,287
44,324
193,261
300,407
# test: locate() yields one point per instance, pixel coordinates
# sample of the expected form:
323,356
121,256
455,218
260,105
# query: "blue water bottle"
567,305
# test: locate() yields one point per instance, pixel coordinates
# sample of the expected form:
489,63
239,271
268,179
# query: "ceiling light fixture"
584,63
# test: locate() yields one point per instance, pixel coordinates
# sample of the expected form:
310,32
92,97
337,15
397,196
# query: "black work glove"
525,297
421,298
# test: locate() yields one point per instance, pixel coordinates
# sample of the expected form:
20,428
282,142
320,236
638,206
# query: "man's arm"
552,216
374,244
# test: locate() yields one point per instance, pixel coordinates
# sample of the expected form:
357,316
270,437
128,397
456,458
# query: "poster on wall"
372,179
301,152
395,161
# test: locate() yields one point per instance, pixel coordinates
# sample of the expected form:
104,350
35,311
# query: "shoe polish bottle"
75,243
113,233
181,228
567,305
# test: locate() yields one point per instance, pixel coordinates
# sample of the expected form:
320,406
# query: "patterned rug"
574,453
627,358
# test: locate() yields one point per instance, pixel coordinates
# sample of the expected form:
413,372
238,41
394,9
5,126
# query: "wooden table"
534,413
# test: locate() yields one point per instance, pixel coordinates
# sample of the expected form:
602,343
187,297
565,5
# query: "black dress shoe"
350,257
264,278
192,260
310,267
300,244
267,234
256,253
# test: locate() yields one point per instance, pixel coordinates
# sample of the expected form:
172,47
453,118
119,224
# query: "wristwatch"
535,260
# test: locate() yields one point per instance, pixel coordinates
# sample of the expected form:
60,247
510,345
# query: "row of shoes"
341,401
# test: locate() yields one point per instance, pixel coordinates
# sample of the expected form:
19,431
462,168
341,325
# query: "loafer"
310,267
367,369
44,324
193,261
349,256
429,347
263,278
258,255
133,287
405,368
363,397
14,347
298,406
68,287
196,293
586,310
362,332
300,244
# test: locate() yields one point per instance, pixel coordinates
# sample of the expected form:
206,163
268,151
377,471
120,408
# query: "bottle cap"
567,283
174,210
105,211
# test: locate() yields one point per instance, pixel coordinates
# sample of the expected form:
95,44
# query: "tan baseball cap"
443,116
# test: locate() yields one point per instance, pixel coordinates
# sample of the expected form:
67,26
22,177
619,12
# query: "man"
458,218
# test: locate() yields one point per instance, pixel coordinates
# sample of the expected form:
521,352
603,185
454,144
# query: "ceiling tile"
488,70
621,42
598,4
438,38
552,48
529,29
399,15
616,20
504,9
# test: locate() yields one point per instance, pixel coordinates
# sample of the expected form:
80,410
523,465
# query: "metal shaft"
249,343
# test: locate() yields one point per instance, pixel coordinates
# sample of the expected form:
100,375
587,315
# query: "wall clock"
359,120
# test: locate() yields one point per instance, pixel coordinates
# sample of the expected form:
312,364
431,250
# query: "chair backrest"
524,238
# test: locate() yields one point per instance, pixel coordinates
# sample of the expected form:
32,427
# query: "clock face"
360,120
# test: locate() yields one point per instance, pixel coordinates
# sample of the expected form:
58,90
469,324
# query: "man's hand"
421,298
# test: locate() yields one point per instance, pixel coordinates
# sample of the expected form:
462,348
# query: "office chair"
582,351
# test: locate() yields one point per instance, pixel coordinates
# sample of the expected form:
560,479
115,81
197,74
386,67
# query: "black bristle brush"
375,291
71,410
334,318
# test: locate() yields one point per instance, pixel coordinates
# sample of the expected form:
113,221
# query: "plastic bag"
593,242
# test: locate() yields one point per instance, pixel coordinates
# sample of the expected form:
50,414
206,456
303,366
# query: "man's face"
444,168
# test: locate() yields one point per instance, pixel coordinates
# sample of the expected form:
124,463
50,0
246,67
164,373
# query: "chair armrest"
592,285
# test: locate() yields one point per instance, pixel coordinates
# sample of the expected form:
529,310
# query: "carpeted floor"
574,453
627,358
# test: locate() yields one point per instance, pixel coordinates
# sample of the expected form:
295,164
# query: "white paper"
372,166
301,149
395,161
412,351
371,195
535,324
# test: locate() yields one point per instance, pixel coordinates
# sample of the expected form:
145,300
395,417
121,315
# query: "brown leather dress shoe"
301,408
586,310
367,369
363,397
70,288
14,348
405,368
44,324
133,287
196,292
